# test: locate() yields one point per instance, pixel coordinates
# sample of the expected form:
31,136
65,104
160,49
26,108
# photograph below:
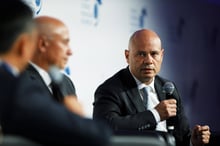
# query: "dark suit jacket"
68,87
118,102
28,110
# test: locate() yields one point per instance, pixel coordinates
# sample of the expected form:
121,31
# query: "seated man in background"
133,99
27,109
52,49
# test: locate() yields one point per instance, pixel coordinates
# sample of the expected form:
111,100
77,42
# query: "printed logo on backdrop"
36,5
90,12
176,29
137,18
211,37
67,70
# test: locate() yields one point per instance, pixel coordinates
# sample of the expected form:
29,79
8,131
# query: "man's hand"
166,109
73,105
200,135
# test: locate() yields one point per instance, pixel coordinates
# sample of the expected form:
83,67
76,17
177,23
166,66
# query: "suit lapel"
36,77
133,93
159,89
135,97
33,73
132,90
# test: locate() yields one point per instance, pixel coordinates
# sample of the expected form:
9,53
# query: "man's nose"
148,59
69,52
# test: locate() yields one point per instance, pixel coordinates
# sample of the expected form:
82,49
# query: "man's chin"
147,78
148,75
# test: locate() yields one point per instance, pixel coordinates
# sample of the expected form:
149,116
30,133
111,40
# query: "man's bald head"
144,36
46,25
53,43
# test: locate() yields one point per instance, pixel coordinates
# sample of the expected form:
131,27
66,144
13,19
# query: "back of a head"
15,17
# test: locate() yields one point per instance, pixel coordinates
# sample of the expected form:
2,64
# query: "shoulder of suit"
115,76
67,77
119,80
161,79
31,68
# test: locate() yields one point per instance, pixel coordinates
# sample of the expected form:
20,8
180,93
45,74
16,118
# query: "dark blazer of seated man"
123,89
52,49
26,108
119,99
41,77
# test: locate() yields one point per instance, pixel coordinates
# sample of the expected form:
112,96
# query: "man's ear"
127,55
21,45
42,44
162,53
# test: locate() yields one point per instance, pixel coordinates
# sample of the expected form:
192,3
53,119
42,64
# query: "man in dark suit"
121,101
52,50
26,108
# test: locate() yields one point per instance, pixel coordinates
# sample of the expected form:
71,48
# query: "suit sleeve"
113,106
37,116
182,131
68,86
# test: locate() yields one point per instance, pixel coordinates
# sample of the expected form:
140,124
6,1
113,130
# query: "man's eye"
142,54
154,53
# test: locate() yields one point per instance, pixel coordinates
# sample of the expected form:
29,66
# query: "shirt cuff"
191,143
156,115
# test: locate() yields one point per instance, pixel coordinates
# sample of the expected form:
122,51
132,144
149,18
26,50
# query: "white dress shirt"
152,102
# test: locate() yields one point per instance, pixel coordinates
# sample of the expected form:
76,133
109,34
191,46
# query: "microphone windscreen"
55,74
168,88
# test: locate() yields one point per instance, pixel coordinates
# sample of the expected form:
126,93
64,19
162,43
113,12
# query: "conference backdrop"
100,30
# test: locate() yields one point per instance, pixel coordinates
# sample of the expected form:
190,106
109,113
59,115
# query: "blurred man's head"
17,33
53,43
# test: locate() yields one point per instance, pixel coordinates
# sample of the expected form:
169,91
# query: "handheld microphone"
168,89
55,74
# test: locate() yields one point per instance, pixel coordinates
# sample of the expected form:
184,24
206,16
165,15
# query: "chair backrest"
146,138
14,140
